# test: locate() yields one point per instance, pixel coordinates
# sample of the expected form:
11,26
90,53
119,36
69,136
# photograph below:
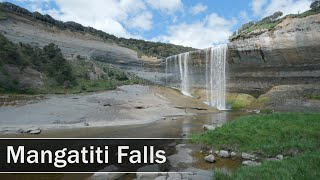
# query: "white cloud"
244,17
264,8
199,8
112,16
257,6
169,6
208,32
142,21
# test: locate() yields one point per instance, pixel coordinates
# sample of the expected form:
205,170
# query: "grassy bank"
295,135
267,135
303,167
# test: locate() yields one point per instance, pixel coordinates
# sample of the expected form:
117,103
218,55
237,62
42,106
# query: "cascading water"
205,68
216,76
184,73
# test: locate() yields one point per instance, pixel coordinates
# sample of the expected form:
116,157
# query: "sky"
193,23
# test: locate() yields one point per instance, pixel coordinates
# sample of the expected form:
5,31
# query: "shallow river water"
168,127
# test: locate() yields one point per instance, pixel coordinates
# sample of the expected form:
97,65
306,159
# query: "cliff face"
288,54
23,29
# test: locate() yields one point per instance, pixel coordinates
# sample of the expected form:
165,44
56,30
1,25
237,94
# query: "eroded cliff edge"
288,54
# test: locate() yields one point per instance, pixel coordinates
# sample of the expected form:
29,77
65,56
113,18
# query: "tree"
315,5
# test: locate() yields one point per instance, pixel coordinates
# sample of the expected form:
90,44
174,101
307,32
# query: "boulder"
250,163
35,131
209,127
233,154
248,156
280,157
224,154
210,158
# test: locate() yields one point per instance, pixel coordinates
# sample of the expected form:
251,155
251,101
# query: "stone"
216,152
257,111
146,176
250,163
280,157
233,154
248,156
161,178
224,154
30,131
107,176
208,127
272,159
210,158
35,131
174,176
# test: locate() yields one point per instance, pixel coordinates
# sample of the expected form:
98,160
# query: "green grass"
302,167
239,101
3,15
271,25
113,78
313,96
295,135
267,135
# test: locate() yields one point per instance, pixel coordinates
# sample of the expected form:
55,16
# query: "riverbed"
130,111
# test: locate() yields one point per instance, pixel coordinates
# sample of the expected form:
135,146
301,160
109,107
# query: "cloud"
199,8
212,30
169,6
264,8
257,6
112,16
244,17
141,22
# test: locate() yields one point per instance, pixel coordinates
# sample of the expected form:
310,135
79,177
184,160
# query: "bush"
48,60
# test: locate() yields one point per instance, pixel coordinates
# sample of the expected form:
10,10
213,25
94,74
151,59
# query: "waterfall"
216,76
184,73
204,68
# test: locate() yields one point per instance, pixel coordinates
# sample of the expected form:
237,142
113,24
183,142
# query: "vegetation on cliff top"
270,22
59,75
148,48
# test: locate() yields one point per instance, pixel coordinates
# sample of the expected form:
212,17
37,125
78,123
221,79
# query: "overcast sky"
194,23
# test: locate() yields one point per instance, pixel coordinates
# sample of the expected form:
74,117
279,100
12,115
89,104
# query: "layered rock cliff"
285,55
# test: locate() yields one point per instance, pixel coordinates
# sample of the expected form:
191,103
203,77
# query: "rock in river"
248,156
210,158
224,154
209,127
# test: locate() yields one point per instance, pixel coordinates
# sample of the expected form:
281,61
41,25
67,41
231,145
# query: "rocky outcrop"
287,54
299,97
24,79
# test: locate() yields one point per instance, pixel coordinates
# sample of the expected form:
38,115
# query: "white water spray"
213,72
216,76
